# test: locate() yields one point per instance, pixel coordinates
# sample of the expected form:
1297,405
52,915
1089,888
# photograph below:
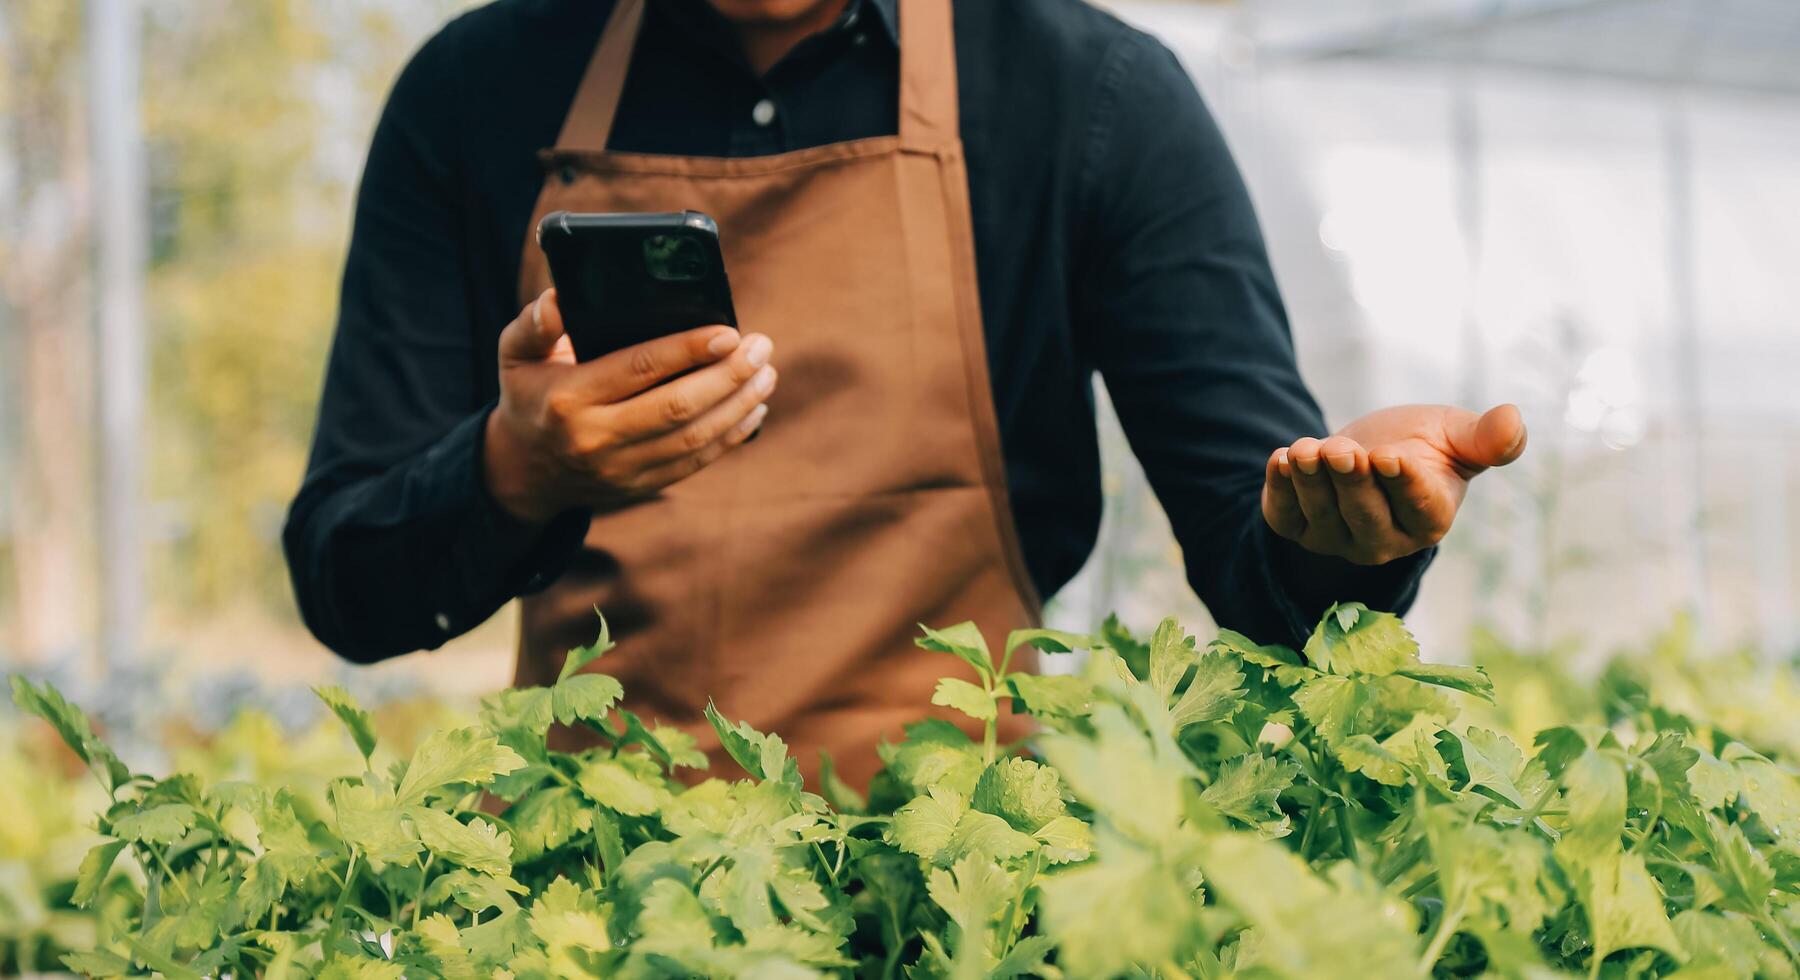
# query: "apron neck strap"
928,108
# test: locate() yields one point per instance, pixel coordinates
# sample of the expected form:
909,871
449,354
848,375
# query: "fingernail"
1308,466
757,350
754,420
1342,463
1387,466
764,381
723,344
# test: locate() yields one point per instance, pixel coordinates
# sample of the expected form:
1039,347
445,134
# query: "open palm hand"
1388,484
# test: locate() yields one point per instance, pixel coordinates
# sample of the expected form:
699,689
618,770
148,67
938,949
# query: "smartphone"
622,279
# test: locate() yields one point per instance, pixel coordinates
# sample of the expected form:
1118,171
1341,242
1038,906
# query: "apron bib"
787,580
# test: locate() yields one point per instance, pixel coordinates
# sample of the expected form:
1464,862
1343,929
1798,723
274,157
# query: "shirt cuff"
1304,584
499,556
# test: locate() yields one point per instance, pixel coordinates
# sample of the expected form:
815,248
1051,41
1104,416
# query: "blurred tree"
46,489
256,115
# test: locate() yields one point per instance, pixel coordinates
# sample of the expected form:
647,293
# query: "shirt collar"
699,15
885,11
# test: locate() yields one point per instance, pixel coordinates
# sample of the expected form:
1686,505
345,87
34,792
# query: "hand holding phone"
605,432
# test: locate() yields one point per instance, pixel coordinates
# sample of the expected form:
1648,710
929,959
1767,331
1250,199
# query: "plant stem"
1441,938
168,872
1787,941
1348,839
1430,878
1306,836
419,896
337,910
820,851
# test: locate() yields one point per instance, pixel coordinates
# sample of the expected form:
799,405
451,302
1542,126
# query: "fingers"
536,334
743,406
680,468
676,407
1494,438
1318,501
1416,503
625,373
1280,505
1361,505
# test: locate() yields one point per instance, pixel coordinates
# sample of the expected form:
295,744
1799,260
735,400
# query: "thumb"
534,333
1493,438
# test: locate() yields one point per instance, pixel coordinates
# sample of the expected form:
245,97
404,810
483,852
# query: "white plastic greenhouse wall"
1590,209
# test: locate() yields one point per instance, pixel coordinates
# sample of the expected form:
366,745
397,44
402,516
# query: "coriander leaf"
1023,793
953,692
972,894
1247,787
1331,703
1066,839
373,823
1742,873
580,657
1766,789
985,835
1125,909
1052,695
456,757
362,730
1271,655
1714,783
1371,642
1120,774
1469,680
615,784
762,756
546,820
1134,653
525,709
163,824
1047,640
681,746
463,755
1360,753
1171,654
1594,786
964,641
1213,694
477,845
584,697
47,703
1728,942
1489,761
95,866
1624,907
1308,926
934,753
924,826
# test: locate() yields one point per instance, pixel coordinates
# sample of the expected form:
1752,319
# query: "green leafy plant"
1231,809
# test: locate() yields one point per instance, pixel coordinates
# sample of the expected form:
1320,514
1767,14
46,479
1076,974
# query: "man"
938,224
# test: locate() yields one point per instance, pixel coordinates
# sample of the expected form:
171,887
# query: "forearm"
416,554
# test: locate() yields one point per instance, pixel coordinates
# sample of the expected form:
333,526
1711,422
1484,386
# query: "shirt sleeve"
1189,333
393,543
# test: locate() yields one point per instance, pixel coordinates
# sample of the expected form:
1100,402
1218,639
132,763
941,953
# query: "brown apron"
786,581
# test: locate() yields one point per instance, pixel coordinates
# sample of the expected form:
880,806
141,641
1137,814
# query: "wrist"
506,473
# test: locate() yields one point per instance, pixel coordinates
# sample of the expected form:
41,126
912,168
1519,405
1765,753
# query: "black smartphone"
622,279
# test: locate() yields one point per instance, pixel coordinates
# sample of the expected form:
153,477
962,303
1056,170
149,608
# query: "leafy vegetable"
1229,809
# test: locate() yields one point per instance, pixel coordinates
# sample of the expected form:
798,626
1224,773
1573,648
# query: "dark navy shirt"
1112,234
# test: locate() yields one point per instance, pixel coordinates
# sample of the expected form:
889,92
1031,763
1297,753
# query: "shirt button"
859,39
443,622
763,113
